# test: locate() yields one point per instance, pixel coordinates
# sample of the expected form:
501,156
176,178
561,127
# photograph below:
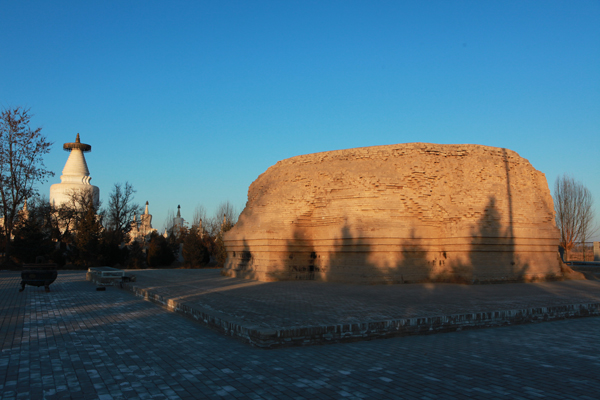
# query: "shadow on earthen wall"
411,257
243,261
492,254
491,257
301,260
351,256
517,269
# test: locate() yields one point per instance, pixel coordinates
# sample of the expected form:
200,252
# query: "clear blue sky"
191,101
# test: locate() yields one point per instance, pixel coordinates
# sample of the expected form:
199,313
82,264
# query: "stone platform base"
309,335
280,314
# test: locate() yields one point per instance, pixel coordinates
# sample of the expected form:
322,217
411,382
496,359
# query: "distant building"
176,226
199,228
24,213
178,222
142,229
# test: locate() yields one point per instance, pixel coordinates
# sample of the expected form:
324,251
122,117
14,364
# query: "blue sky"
191,101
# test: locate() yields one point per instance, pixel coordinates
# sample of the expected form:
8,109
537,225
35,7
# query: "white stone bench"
106,276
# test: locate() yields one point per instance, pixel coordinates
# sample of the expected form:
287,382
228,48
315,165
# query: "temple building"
177,224
75,176
24,213
142,229
199,228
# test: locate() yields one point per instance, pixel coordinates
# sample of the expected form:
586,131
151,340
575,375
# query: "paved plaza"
76,342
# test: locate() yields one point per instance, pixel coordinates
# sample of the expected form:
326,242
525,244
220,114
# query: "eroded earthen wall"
399,213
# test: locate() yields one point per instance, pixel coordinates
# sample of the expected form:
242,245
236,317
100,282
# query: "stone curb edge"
311,335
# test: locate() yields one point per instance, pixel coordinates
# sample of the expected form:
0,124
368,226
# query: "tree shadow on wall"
491,255
300,261
242,261
412,261
345,259
350,259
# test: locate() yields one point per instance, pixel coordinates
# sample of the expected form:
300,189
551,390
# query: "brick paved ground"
75,342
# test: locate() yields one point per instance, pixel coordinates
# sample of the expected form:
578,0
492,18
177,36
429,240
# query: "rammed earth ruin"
402,213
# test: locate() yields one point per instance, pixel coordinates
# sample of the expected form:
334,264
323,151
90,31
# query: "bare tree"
57,222
169,220
226,217
199,215
21,164
211,225
121,209
227,210
588,228
214,224
574,214
42,211
69,214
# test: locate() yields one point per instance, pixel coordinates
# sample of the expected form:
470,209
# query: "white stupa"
75,176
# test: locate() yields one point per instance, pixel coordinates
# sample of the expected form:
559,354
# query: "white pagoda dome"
75,176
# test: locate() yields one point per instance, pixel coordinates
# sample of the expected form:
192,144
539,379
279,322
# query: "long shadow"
510,232
519,269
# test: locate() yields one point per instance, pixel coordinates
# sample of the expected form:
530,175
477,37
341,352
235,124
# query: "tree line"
80,234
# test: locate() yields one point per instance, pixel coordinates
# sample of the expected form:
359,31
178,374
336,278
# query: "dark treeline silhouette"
76,235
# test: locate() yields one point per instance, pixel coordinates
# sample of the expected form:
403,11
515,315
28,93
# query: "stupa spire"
77,145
